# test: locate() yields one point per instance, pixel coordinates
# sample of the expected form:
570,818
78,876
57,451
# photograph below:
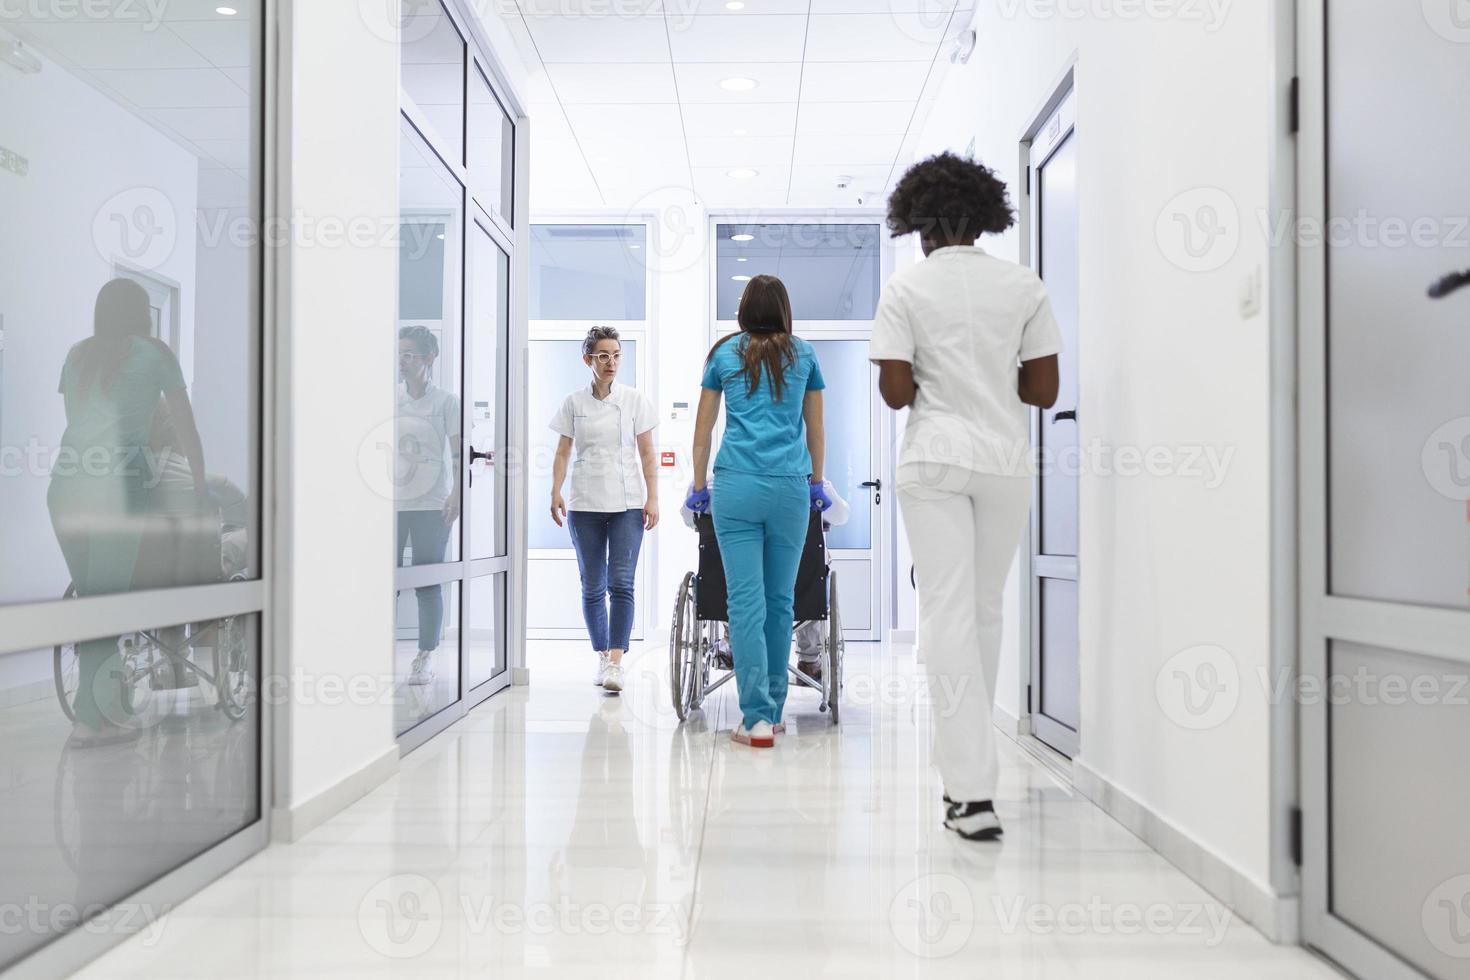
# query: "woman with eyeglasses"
606,434
427,481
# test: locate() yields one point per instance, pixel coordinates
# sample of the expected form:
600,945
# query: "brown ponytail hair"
765,322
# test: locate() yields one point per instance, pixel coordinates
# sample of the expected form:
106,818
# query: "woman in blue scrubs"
768,478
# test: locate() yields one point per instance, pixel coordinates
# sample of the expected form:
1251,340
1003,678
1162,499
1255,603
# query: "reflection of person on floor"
604,853
111,384
427,479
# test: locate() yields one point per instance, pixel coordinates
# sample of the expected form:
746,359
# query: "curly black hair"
949,198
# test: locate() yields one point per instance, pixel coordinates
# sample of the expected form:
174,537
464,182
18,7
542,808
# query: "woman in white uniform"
966,341
427,481
606,434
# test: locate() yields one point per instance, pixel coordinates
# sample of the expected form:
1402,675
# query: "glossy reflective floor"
557,831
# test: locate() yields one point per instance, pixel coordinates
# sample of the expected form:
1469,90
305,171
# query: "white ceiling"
626,104
187,73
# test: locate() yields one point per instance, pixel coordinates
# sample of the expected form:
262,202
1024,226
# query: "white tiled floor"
558,831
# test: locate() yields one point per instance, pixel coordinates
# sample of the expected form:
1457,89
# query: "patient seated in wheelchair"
808,635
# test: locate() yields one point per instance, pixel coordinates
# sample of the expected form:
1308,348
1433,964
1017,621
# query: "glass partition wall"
451,474
132,616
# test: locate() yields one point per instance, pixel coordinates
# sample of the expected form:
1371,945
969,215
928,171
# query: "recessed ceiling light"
742,237
738,84
226,11
740,132
742,259
440,237
735,5
635,246
741,278
742,173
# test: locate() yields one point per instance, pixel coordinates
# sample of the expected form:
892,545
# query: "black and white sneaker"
973,821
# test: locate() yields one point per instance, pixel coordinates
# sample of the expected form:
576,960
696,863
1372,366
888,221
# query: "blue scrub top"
763,435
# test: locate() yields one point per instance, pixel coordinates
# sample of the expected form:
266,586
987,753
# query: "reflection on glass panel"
833,272
425,652
847,413
426,471
490,281
128,304
588,272
432,60
484,646
556,370
491,147
124,758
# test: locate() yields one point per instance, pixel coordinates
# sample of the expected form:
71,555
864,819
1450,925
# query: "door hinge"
1296,836
1295,106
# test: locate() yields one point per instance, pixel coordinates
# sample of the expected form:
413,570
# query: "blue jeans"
607,553
761,523
430,537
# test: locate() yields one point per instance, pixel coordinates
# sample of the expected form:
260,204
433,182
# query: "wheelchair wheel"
231,667
832,651
686,652
66,670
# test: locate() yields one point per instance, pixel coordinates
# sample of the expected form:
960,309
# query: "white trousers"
963,528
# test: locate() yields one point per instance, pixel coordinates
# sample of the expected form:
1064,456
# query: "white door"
1385,476
1053,693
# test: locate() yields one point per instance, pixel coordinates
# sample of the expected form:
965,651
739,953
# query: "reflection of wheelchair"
696,647
214,654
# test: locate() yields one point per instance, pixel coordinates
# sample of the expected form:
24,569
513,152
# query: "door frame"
1029,721
883,555
645,332
1439,633
511,235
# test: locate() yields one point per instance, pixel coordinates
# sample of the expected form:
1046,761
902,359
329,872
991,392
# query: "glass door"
453,381
1385,479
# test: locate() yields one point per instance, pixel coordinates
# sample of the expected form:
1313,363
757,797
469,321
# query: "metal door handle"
1068,416
872,484
474,456
1441,288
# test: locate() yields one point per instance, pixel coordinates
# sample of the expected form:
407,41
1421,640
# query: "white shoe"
612,679
601,669
759,735
422,672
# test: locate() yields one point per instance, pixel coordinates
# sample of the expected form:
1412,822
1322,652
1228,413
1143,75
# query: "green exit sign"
14,162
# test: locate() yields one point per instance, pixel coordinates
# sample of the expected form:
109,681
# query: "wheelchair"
699,662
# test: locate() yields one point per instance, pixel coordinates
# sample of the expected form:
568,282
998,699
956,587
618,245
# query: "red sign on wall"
667,459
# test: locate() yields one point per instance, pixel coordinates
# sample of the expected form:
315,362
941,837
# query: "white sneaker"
758,736
598,677
422,672
612,679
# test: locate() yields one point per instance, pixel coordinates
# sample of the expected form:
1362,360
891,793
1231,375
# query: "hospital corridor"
710,488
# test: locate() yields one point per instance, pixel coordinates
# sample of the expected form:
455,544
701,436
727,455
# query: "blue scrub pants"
760,523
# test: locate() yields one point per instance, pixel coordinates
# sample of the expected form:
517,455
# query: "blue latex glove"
820,500
698,500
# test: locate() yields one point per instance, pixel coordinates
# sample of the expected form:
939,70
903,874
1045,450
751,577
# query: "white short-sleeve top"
607,474
964,320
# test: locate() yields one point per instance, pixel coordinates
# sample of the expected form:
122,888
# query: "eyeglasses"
604,358
408,355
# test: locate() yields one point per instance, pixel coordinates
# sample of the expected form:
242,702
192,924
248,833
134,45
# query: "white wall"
336,386
1164,106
